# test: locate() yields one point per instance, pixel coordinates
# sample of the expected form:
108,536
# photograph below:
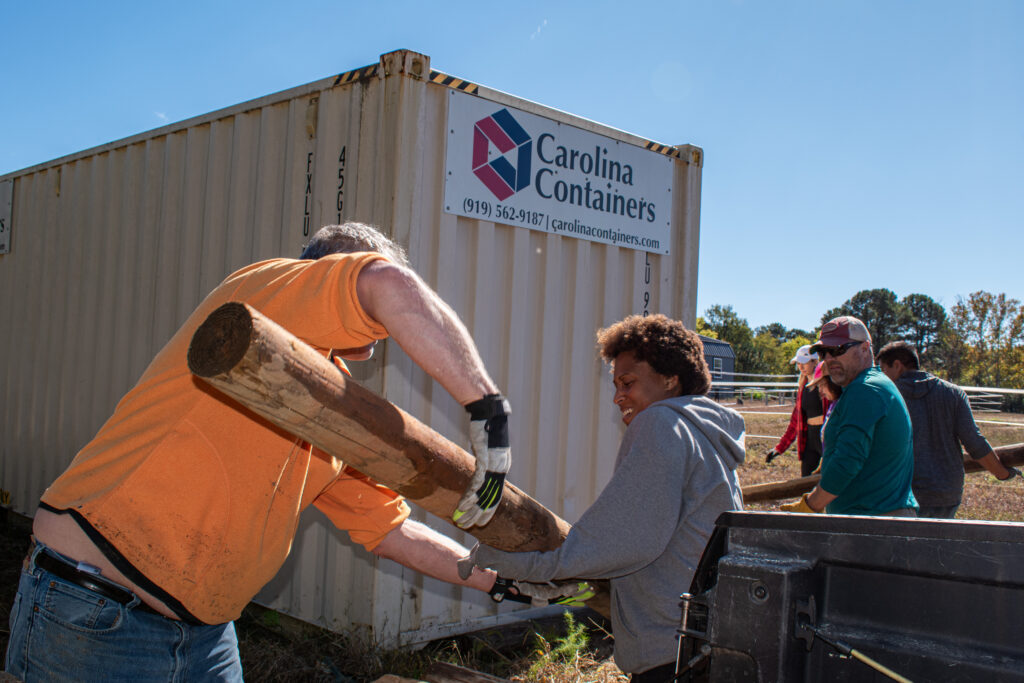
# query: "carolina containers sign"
509,166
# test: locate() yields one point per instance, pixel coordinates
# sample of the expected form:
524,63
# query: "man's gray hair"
352,237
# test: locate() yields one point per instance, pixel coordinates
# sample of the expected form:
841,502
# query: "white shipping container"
537,226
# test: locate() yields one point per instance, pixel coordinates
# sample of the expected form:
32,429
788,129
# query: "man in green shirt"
868,464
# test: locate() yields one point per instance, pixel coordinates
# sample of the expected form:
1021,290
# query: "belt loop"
34,548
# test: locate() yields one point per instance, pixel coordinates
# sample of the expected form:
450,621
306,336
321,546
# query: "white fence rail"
773,392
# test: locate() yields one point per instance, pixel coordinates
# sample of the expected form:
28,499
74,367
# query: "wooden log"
271,372
276,375
777,490
1010,456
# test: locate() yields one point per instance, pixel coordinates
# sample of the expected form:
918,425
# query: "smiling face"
637,385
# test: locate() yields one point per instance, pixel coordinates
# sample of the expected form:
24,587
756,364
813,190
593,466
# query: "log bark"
252,359
1010,456
777,490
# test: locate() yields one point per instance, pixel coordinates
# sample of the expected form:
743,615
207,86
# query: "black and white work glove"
571,594
771,455
488,435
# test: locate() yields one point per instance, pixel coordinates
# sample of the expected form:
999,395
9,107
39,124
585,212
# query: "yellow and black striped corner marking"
667,150
453,82
357,74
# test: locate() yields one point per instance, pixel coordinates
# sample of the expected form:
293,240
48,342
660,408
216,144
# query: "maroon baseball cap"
841,330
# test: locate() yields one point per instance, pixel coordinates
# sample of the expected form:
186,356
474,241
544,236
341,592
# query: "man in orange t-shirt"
185,504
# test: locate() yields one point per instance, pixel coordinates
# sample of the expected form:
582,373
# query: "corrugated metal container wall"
113,247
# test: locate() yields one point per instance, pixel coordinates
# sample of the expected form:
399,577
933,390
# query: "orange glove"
800,506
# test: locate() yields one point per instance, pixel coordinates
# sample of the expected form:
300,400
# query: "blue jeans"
63,632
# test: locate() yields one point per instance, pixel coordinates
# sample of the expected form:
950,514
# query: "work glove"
1014,472
800,506
771,455
570,594
488,435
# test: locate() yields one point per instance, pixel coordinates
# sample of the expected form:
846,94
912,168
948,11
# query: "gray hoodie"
942,420
675,474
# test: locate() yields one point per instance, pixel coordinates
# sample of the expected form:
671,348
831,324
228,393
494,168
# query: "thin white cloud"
162,116
539,29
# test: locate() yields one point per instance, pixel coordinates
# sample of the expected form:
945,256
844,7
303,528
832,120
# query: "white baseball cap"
804,355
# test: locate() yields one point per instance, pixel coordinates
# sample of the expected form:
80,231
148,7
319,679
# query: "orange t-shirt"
201,495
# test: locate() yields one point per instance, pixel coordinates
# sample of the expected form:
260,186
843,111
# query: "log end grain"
221,341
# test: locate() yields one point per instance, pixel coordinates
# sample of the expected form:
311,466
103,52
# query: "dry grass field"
276,648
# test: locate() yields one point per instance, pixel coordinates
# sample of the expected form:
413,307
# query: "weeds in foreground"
275,647
560,652
570,655
278,648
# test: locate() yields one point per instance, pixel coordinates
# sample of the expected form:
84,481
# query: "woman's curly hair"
665,344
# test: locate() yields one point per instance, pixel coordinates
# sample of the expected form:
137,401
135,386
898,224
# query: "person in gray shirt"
942,420
674,475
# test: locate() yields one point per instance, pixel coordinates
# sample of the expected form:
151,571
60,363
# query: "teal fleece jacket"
868,463
675,474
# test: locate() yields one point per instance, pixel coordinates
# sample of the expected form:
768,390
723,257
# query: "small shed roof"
716,348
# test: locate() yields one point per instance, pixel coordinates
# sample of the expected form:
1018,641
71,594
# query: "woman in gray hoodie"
674,475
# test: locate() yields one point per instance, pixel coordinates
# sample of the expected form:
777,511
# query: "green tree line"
979,341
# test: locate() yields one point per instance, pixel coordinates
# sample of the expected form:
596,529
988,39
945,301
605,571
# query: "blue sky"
848,145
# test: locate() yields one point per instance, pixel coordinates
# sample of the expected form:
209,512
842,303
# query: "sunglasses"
836,351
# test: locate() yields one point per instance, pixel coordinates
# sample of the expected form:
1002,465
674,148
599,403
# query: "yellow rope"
878,667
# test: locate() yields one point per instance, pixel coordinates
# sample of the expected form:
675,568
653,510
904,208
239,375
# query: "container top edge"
688,153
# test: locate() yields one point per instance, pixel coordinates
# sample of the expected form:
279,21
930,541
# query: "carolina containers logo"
514,167
501,176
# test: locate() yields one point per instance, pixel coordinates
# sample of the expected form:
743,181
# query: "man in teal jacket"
868,464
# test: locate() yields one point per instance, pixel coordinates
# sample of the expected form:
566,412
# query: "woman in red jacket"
807,418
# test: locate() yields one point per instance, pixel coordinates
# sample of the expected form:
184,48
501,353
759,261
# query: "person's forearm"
430,552
819,498
993,464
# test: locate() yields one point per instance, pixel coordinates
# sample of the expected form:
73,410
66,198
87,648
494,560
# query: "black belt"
89,581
